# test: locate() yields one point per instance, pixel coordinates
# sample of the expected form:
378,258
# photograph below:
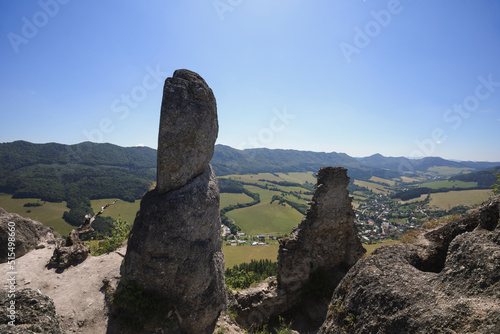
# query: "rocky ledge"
447,280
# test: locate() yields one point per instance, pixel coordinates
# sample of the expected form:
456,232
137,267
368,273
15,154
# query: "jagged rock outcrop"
188,130
446,281
72,251
175,246
326,239
319,252
34,313
29,234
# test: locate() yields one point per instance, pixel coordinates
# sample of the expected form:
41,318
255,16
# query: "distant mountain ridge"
228,160
403,164
55,171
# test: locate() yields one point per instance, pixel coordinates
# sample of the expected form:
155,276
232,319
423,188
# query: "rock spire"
175,247
188,130
326,239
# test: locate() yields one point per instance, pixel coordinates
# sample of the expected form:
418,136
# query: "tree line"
241,276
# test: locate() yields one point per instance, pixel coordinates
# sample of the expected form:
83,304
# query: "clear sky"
400,78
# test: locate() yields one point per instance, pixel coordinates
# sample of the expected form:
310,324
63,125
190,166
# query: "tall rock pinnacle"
175,246
188,130
326,238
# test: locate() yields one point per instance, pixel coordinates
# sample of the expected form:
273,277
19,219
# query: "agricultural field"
407,179
375,187
450,184
264,217
387,182
448,171
50,214
121,209
451,199
254,178
227,199
239,254
299,177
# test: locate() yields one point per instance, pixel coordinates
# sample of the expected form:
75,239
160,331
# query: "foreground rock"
175,247
446,281
77,292
188,130
29,234
34,313
72,251
319,252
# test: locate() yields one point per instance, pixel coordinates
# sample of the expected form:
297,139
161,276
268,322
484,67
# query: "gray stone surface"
175,250
446,281
35,313
326,239
28,234
325,242
175,246
188,130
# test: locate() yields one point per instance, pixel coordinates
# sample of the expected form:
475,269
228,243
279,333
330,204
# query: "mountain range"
106,170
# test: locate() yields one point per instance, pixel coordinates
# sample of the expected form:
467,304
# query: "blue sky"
400,78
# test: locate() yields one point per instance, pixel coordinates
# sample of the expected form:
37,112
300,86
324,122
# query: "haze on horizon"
399,78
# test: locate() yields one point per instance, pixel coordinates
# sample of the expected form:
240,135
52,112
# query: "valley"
263,193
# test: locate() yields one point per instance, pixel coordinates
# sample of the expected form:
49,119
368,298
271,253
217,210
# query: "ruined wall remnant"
175,247
326,239
324,245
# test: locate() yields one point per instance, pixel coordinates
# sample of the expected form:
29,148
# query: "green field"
264,217
375,187
450,184
387,182
254,178
448,171
295,177
407,179
451,199
299,177
121,209
227,199
50,214
372,247
239,254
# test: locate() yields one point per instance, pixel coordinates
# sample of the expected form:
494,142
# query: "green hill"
484,178
403,164
228,160
55,172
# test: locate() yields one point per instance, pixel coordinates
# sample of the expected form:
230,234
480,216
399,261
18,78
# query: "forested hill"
484,178
228,160
422,165
57,172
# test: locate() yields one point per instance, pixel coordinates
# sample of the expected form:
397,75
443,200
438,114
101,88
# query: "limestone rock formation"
34,313
326,239
319,252
188,130
28,234
72,250
175,246
446,281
